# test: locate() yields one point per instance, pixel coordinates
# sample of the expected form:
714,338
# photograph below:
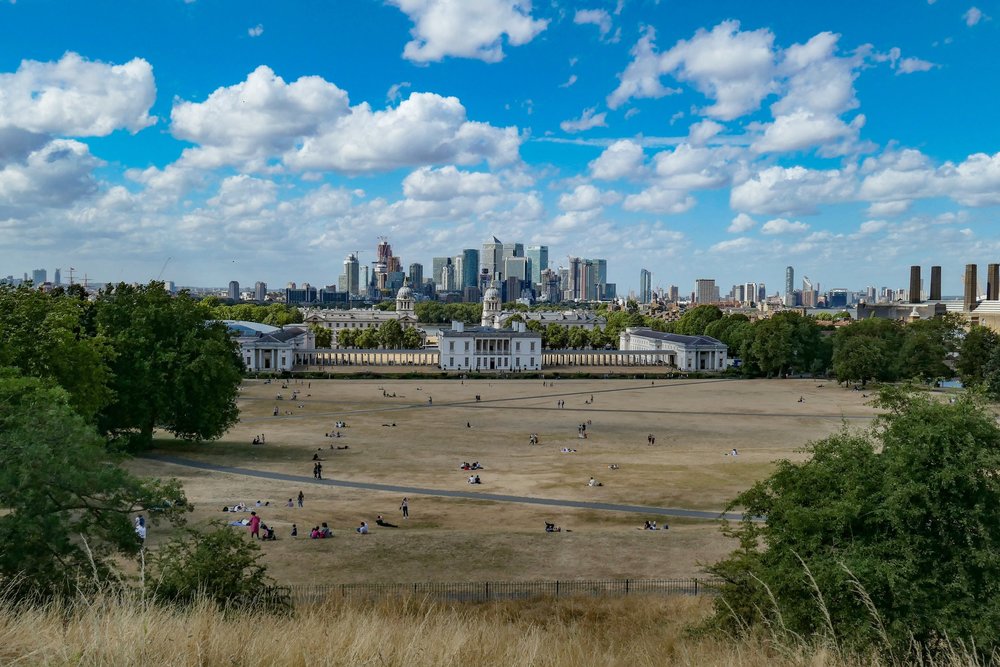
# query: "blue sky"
726,140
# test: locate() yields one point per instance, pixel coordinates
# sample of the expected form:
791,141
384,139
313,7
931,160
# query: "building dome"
491,293
404,292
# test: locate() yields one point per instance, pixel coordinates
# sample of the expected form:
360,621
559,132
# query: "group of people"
320,532
258,439
471,466
594,482
650,439
318,470
532,438
651,525
474,479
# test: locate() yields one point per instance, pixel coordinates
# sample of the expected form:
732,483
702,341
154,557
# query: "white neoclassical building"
690,353
270,349
358,318
489,349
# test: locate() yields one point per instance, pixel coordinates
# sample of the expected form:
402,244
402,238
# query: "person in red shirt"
254,525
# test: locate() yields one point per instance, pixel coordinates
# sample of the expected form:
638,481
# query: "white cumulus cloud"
77,97
741,223
658,199
598,17
783,226
622,159
972,16
466,29
256,31
589,119
448,182
309,124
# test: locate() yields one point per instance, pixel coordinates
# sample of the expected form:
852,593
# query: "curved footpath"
414,491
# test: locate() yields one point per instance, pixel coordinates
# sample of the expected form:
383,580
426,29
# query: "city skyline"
724,141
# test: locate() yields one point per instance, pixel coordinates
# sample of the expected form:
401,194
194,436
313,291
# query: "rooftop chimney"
971,298
914,284
935,294
992,282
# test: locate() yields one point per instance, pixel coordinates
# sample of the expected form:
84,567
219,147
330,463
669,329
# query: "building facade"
489,349
645,286
690,353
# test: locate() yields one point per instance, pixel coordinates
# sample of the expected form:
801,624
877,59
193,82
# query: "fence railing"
500,590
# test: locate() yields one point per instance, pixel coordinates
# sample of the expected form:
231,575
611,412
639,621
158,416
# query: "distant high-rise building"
749,293
352,277
515,267
645,286
491,259
234,290
38,277
384,262
438,265
260,291
673,293
58,277
470,267
809,293
416,275
705,291
761,292
550,286
789,286
538,257
513,250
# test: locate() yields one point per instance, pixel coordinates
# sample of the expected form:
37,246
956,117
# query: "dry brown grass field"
418,432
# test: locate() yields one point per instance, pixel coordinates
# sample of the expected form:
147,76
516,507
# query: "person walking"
405,507
301,498
319,470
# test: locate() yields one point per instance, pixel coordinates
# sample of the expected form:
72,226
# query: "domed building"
370,318
492,311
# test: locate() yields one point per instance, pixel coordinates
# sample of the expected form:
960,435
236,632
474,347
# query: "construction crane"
71,270
162,268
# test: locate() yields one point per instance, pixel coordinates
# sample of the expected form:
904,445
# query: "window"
517,346
451,346
532,346
451,361
466,346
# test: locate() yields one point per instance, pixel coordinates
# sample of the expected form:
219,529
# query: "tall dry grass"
637,631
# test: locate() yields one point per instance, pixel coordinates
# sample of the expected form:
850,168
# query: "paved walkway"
414,491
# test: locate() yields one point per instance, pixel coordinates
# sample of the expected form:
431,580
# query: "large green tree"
880,537
66,507
974,353
324,335
694,321
51,335
174,368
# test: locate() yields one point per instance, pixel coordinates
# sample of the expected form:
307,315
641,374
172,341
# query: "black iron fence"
500,590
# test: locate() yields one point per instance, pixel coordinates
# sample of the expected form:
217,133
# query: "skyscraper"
58,278
437,267
789,286
470,267
538,257
645,286
704,290
515,267
513,250
260,291
492,257
38,277
351,277
416,275
234,290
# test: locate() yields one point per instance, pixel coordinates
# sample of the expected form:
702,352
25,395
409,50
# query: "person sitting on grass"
552,528
314,533
379,521
325,531
363,528
594,482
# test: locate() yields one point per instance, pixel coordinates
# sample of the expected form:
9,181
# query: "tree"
49,335
218,564
347,338
556,336
859,359
174,368
906,511
694,321
974,353
67,506
367,339
577,337
324,336
412,339
390,335
772,348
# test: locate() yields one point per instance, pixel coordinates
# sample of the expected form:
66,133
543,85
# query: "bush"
220,565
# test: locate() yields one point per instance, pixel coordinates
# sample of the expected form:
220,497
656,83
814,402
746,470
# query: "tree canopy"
907,512
172,368
69,507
